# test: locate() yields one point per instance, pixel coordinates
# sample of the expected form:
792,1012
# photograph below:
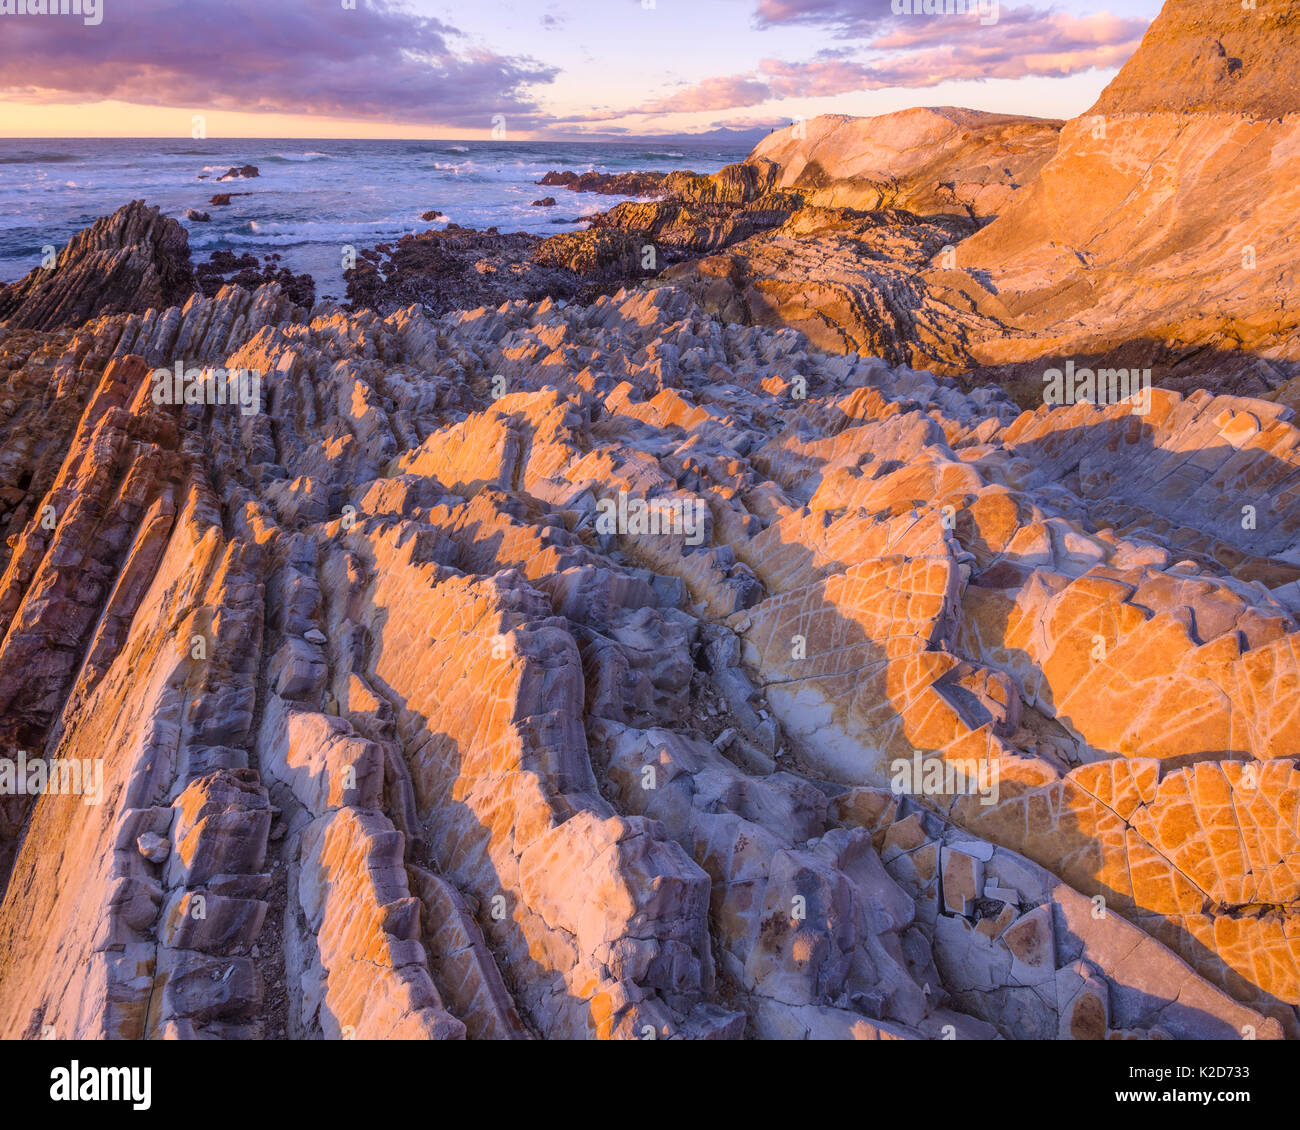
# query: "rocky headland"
1155,230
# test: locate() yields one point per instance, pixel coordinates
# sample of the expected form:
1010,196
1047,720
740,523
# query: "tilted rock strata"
401,740
129,262
850,281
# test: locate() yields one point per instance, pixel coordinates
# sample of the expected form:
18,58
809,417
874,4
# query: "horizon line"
301,137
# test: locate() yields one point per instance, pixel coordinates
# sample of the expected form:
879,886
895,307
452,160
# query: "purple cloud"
286,56
720,93
916,51
850,18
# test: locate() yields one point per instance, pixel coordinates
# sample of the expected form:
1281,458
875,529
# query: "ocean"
312,197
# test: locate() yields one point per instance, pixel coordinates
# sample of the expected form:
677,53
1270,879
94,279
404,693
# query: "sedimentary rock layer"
129,262
419,719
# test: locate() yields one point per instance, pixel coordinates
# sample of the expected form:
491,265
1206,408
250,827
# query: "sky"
524,69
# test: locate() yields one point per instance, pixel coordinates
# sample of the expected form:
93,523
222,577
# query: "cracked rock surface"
401,740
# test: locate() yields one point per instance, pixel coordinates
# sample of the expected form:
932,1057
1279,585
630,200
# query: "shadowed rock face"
609,184
413,722
225,267
703,213
129,262
454,267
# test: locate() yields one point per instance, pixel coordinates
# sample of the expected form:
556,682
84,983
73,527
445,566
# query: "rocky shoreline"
572,642
917,265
